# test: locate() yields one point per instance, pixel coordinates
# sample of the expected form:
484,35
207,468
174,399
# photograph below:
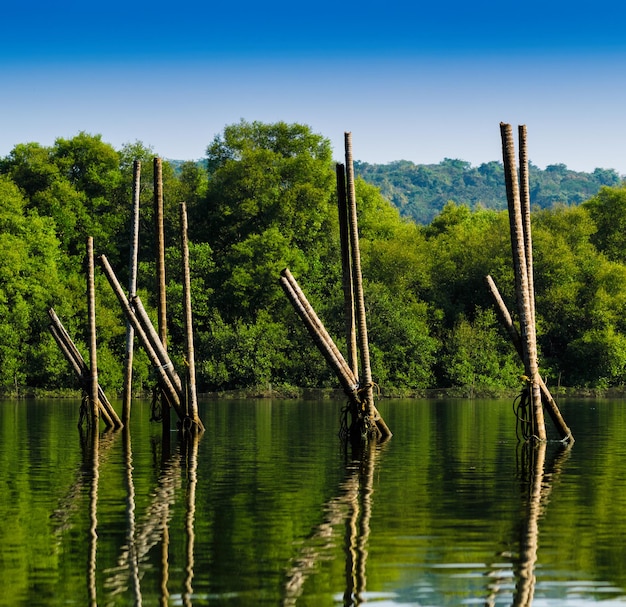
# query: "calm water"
268,508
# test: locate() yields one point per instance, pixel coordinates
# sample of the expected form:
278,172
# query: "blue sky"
410,81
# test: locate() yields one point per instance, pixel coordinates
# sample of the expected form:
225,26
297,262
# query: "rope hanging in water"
521,408
156,406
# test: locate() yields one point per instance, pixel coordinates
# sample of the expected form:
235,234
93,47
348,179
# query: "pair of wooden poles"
518,198
366,419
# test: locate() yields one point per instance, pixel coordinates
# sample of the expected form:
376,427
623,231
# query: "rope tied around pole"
523,413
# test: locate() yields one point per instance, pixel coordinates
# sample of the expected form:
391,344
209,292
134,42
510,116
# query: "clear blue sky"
411,81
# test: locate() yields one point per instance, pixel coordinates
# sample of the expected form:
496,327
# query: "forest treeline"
420,191
264,200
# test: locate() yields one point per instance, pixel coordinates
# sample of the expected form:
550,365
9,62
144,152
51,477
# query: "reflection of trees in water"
536,483
352,507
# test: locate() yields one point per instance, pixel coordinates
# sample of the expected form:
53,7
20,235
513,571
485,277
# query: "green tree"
28,283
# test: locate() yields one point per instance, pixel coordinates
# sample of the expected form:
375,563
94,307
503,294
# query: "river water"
269,508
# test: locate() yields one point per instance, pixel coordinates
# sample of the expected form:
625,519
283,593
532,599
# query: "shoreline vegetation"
265,199
310,394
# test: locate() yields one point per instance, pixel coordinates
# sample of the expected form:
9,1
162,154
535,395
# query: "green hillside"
420,191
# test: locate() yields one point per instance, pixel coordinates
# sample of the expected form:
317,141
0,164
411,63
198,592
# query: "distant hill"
420,191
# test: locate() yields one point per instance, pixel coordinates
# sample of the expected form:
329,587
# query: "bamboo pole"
338,365
546,397
160,271
132,290
160,252
76,360
91,312
151,335
524,178
164,380
366,371
81,373
192,396
529,343
348,293
330,351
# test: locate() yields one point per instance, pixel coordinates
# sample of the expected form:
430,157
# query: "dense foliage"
265,199
420,191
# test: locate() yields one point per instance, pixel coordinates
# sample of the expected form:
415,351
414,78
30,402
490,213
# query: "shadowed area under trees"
265,199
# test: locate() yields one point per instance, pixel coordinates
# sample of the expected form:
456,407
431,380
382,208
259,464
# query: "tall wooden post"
132,291
192,397
160,271
524,178
518,246
91,312
348,292
366,371
160,250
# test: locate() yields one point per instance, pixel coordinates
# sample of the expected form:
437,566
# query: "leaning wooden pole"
93,356
192,396
346,267
132,290
332,354
518,246
164,380
335,361
76,360
546,397
367,385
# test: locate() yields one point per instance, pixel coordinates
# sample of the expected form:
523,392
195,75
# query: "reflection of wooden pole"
525,587
93,517
518,246
192,396
191,455
353,507
133,559
366,371
91,310
546,396
346,266
152,529
132,290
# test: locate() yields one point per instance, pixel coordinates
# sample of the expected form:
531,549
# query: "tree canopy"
265,199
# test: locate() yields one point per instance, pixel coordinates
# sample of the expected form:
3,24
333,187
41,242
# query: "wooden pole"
346,266
91,312
192,402
337,364
160,252
132,290
76,360
524,177
546,396
160,271
366,372
165,382
157,346
81,374
330,351
518,246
